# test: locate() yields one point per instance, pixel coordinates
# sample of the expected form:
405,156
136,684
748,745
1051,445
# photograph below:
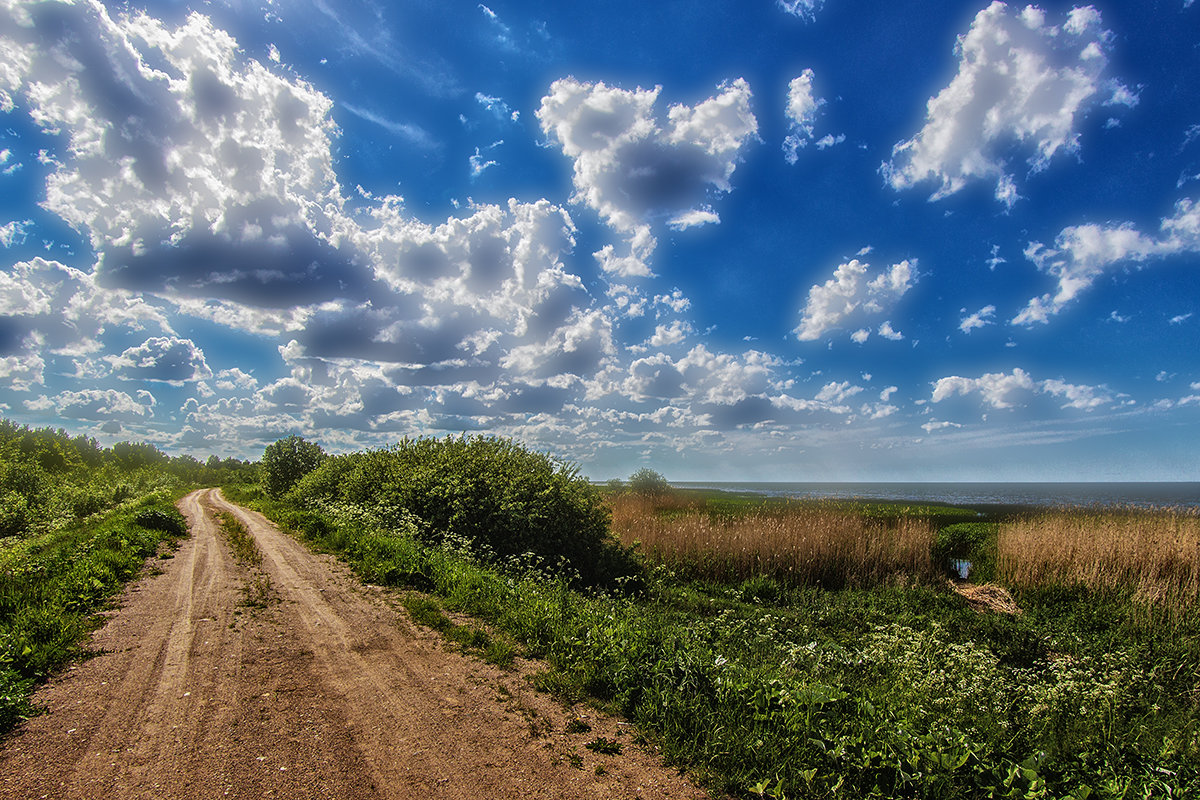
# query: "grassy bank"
52,584
77,521
774,675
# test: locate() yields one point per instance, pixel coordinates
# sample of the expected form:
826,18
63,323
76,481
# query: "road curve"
328,691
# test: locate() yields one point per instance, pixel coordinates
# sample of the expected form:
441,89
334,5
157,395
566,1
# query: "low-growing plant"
604,746
245,548
577,725
169,521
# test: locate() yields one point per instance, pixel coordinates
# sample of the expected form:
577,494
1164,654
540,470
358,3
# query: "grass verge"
52,585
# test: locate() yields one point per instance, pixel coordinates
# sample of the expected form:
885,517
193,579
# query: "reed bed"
1156,554
803,544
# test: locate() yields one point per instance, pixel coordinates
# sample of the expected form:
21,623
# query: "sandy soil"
326,691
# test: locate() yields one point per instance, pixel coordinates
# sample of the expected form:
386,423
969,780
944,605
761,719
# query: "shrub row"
500,497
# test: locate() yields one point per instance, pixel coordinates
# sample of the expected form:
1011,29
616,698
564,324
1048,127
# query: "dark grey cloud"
165,359
13,331
288,268
747,411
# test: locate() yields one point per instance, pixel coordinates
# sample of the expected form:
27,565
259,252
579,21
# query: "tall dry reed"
1154,554
803,544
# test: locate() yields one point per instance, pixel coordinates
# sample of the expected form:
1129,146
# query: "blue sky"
755,239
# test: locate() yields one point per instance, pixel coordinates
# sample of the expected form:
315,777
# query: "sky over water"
754,239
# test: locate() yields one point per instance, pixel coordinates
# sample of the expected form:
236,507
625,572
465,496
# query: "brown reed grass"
1156,554
804,544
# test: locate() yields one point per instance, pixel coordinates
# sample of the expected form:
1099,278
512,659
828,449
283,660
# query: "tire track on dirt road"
328,691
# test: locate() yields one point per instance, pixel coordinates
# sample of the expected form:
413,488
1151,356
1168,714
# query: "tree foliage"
502,498
647,481
287,461
49,478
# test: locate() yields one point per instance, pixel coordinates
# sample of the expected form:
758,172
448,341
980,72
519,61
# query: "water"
1144,495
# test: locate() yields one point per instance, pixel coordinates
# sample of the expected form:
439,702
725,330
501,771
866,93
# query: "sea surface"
1143,495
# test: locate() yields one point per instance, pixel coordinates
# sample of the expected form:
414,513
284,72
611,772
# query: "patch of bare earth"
324,691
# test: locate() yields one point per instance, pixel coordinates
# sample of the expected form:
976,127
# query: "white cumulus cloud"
635,170
187,165
666,335
1082,253
163,358
852,294
105,405
1020,81
1003,390
995,388
888,332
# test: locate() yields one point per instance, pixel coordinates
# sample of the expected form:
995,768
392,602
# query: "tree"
647,481
287,461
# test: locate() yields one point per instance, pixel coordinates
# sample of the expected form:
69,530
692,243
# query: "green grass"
51,585
245,550
257,590
728,503
763,688
471,639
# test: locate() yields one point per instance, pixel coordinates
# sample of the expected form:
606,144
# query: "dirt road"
326,691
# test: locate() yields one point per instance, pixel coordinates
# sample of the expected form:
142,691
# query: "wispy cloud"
804,9
979,319
497,106
1082,253
436,78
413,133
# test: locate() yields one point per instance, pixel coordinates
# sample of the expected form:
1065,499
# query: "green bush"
647,481
159,519
970,541
15,516
496,495
287,461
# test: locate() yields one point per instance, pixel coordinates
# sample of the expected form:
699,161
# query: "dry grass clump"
987,597
802,544
1154,553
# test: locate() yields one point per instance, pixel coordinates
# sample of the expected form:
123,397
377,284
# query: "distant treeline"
49,477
